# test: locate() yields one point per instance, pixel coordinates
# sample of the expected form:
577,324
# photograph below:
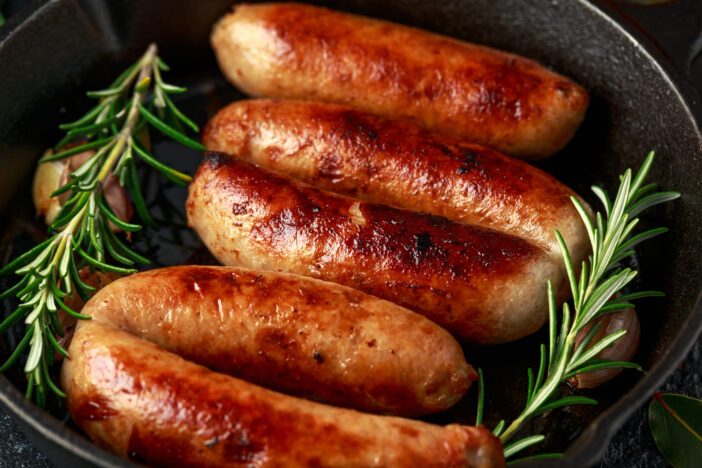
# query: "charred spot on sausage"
423,241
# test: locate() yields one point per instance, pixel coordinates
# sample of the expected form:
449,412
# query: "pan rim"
587,449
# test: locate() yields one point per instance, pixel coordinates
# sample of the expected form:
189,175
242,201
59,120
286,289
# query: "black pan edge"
685,92
30,9
585,451
51,435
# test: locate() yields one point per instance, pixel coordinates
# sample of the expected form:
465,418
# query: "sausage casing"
354,153
476,93
294,334
482,285
154,407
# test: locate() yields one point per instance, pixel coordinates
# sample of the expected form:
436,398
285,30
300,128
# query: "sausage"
481,285
473,92
152,406
95,279
294,334
354,153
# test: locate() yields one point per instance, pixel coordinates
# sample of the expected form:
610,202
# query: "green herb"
2,18
593,296
676,424
81,234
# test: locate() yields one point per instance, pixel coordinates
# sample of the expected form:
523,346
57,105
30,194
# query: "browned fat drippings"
479,81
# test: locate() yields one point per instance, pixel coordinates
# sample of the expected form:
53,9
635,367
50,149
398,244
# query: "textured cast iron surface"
68,46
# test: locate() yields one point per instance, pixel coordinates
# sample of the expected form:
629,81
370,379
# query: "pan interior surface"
66,47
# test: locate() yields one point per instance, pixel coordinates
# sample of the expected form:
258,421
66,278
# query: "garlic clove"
117,200
47,179
622,350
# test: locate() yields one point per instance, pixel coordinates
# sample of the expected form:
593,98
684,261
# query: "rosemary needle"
81,233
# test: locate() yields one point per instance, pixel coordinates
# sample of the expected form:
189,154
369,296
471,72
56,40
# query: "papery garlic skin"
622,350
47,179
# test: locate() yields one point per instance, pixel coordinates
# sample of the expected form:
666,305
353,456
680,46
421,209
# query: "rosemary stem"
133,115
67,232
550,386
594,294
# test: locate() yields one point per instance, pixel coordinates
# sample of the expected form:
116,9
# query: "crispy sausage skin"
482,285
354,153
287,50
147,404
294,334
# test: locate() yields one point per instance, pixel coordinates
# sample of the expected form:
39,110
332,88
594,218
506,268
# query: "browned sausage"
154,407
497,99
354,153
482,285
294,334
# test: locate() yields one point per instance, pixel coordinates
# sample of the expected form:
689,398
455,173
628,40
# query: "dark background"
676,30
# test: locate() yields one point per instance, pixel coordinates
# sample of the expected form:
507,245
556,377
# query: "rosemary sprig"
80,234
593,296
